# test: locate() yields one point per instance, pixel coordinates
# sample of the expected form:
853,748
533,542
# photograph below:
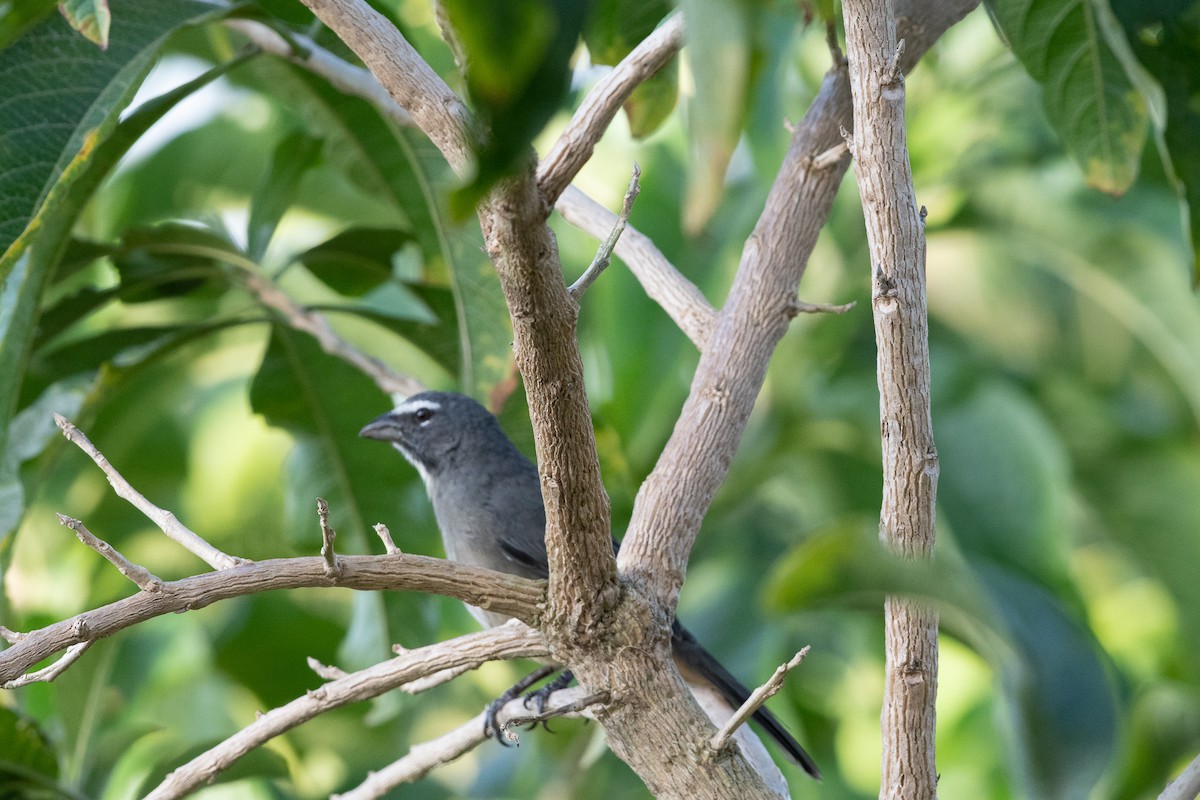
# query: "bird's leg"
542,695
490,727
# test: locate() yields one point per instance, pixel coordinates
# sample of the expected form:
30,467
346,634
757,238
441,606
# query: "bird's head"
436,430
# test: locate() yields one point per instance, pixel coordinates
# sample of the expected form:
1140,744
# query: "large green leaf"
293,157
517,56
1165,35
406,171
1088,94
90,149
356,260
1004,482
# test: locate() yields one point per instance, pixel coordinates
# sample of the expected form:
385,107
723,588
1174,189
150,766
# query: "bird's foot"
491,727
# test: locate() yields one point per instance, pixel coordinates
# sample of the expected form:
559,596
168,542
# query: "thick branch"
507,641
674,498
495,591
895,233
411,82
574,147
344,77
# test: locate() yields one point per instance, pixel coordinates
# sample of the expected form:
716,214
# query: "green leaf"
723,56
1062,704
20,17
1088,94
1004,482
293,157
356,260
847,565
50,169
25,750
613,30
518,71
1165,36
90,17
406,171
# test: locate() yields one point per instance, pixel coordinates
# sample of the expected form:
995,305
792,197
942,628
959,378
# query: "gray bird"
487,498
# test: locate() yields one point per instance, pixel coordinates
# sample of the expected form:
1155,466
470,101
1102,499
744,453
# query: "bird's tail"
698,660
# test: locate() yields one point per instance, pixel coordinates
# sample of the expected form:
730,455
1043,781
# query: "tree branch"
511,640
759,696
574,146
675,496
495,591
1186,786
342,75
896,235
662,282
429,755
412,83
140,576
165,520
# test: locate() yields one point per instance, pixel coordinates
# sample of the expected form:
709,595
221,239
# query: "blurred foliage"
1063,338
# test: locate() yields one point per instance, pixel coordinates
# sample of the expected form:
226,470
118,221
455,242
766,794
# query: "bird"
487,500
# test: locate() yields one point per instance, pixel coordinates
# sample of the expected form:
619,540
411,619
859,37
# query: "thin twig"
755,700
315,324
326,671
831,156
47,674
506,727
663,283
11,636
385,536
142,577
333,567
800,307
342,75
604,254
165,520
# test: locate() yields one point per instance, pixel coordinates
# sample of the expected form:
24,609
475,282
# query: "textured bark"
895,233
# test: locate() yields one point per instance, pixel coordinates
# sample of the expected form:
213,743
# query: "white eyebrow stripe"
412,406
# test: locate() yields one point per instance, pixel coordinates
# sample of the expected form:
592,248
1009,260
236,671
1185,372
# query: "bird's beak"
383,427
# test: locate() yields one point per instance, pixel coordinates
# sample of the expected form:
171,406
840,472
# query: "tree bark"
895,233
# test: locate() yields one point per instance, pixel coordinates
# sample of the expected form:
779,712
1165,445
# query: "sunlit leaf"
90,17
1088,95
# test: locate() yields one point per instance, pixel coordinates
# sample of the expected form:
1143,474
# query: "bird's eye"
423,415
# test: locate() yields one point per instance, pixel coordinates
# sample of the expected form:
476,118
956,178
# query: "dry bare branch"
411,82
574,146
165,520
333,568
675,496
604,254
385,536
512,640
142,577
427,756
662,282
896,238
496,591
314,324
759,696
47,674
342,75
